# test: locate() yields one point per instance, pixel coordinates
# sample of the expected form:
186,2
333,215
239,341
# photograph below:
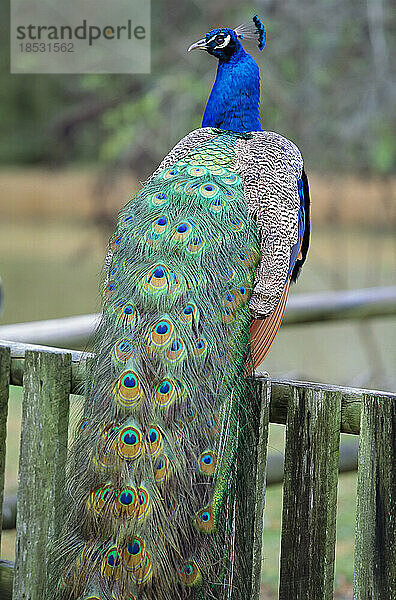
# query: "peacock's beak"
201,45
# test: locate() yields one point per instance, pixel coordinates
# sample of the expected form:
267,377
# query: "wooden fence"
314,415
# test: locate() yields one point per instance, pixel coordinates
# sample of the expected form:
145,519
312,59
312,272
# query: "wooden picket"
42,460
310,495
375,547
314,415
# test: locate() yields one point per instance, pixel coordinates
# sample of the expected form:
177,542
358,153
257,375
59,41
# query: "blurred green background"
73,148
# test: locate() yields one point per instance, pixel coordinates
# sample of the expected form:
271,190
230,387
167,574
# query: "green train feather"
153,459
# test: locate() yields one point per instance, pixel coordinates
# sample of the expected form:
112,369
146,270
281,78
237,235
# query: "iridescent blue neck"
235,97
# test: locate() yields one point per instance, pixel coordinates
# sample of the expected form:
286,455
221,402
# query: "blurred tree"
326,82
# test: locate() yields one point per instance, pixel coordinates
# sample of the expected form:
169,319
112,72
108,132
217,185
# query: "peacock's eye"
219,38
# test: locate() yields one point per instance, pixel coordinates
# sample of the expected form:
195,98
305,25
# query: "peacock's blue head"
234,100
223,43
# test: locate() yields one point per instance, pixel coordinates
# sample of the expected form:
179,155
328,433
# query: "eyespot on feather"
116,242
111,564
197,171
176,351
126,313
190,574
128,219
251,257
122,350
160,225
101,498
229,194
205,521
231,179
212,426
232,300
209,190
126,503
156,280
217,205
236,224
154,440
161,333
243,292
110,289
182,231
134,554
161,468
144,503
165,393
127,389
195,245
129,445
170,173
200,347
159,199
191,414
207,462
245,258
189,313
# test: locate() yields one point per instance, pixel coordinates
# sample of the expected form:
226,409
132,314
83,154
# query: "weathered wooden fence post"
45,414
375,546
310,495
246,499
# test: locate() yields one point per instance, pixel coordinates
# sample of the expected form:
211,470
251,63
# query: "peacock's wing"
277,193
271,168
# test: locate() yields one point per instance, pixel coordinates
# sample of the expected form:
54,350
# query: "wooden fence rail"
314,415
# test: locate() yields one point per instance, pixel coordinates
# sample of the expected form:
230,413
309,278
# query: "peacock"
194,289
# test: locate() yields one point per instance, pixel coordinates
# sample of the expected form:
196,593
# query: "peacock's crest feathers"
250,30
